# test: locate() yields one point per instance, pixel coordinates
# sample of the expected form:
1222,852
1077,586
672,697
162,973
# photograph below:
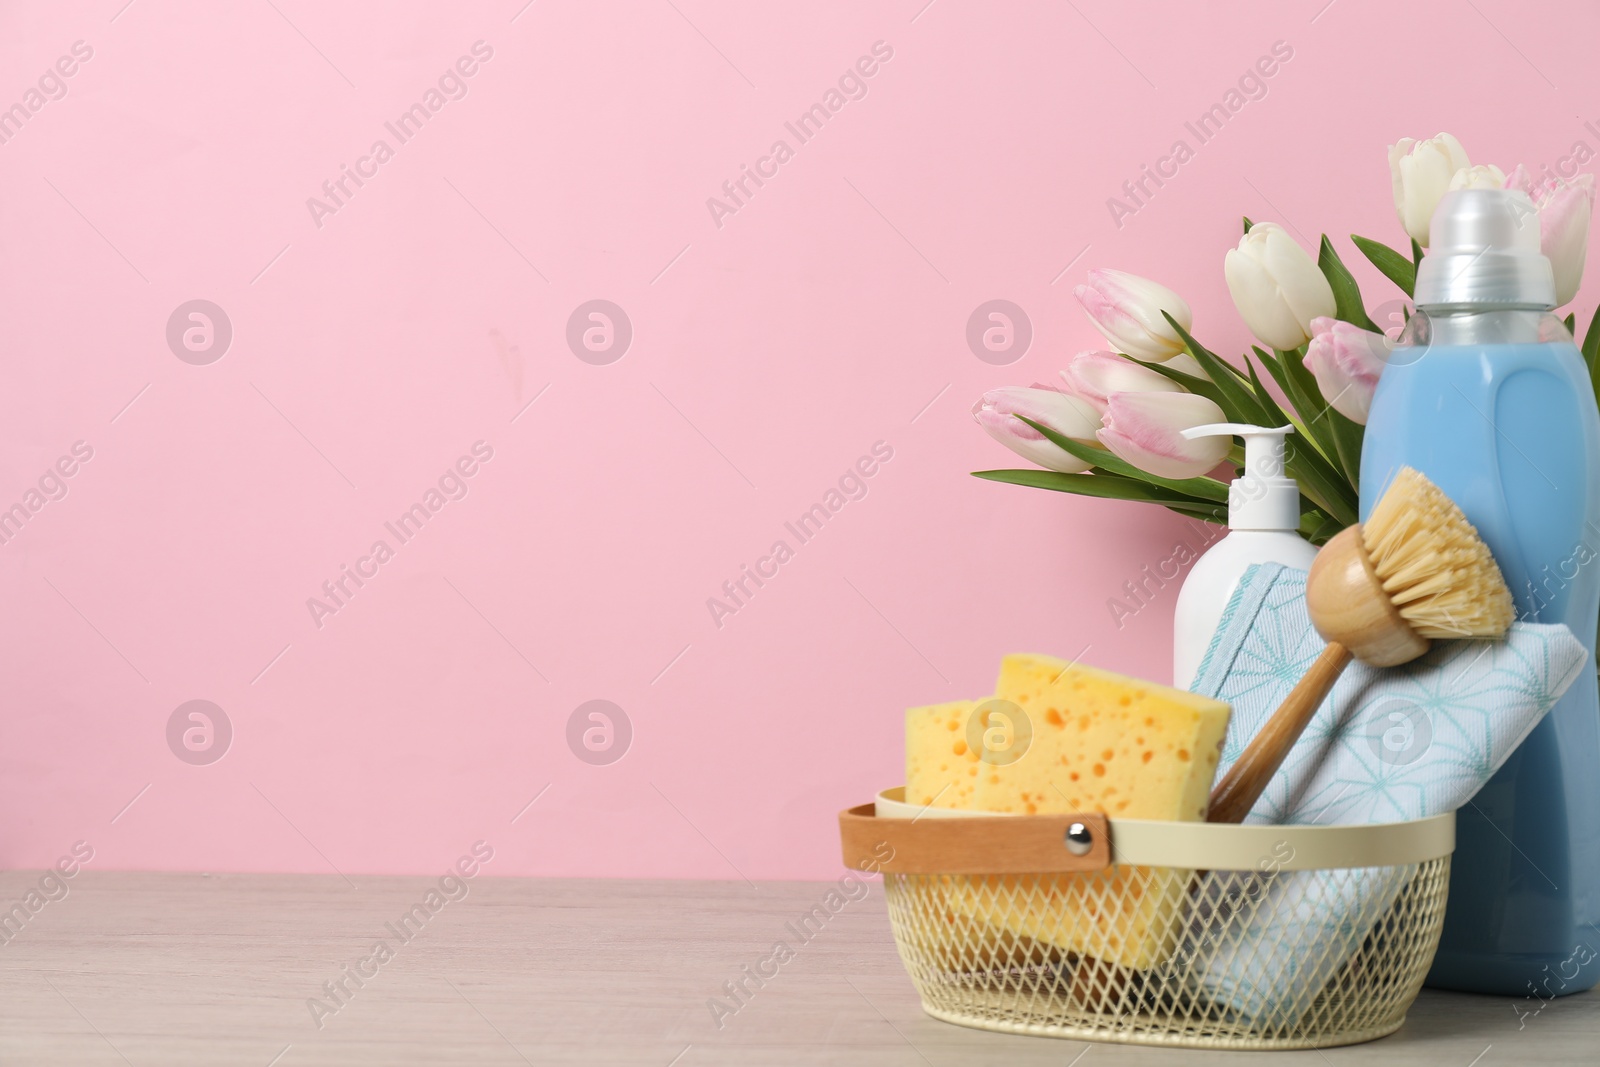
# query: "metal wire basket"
1163,933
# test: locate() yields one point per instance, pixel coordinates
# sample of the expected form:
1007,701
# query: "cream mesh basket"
1162,933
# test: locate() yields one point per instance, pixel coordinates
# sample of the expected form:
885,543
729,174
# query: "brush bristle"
1437,571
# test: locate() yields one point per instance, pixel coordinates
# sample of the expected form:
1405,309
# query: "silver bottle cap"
1483,250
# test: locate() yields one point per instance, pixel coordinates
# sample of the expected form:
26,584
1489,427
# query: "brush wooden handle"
1247,779
1347,603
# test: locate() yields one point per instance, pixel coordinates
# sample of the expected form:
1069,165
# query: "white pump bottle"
1263,524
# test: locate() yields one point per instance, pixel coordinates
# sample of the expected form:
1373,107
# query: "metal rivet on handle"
1080,839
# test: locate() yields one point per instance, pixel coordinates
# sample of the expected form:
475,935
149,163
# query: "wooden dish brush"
1380,591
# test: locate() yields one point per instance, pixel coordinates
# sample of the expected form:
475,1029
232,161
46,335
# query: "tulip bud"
1276,286
1127,310
1565,208
1421,172
1093,376
1067,415
1483,176
1146,429
1347,362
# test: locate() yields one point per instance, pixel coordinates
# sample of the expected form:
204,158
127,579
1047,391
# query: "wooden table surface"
179,969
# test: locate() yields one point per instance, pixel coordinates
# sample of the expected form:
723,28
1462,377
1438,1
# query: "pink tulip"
1094,376
1067,415
1146,429
1347,362
1564,211
1128,310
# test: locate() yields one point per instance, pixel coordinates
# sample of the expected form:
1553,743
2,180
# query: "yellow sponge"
1100,743
1103,742
940,771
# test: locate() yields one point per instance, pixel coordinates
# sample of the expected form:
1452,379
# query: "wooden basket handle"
998,844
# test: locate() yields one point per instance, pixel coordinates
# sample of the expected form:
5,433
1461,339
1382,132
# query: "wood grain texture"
184,970
1348,605
1001,844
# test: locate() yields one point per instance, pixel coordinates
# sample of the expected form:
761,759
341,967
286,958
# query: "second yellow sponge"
1104,742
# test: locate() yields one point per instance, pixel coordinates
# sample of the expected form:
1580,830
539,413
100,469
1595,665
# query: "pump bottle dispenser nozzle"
1264,527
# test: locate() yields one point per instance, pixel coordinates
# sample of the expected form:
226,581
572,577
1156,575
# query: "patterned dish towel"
1386,746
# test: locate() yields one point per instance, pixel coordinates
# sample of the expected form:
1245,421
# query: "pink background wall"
768,354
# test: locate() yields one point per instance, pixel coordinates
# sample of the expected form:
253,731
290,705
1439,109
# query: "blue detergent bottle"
1488,396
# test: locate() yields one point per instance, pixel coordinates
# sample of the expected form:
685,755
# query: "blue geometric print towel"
1387,745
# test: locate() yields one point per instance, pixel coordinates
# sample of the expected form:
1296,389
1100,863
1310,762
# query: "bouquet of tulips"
1114,425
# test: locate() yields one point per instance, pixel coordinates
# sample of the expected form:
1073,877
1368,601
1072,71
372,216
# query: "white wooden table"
178,969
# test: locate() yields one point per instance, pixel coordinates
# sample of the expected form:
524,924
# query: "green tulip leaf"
1346,294
1110,487
1213,513
1301,448
1101,484
1319,482
1318,528
1275,414
1348,436
1305,404
1200,386
1239,403
1201,488
1331,428
1275,370
1391,264
1310,457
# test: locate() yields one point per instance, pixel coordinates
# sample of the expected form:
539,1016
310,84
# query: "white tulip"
1483,176
1128,310
1421,172
1276,286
